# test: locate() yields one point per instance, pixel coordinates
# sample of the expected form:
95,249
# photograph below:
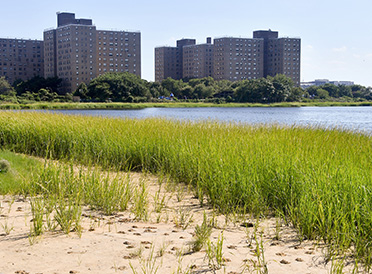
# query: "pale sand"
109,244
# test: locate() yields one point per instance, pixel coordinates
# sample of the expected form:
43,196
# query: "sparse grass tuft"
202,234
214,253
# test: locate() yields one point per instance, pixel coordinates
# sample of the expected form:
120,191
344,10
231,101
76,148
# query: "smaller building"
21,59
321,82
169,60
197,60
167,63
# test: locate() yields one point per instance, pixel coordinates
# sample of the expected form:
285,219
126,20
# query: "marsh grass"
160,199
201,234
140,202
318,179
148,265
107,193
19,173
7,227
214,253
260,253
183,217
37,212
60,190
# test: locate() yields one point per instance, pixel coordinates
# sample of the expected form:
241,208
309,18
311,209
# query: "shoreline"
124,106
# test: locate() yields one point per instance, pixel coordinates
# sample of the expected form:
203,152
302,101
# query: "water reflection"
354,118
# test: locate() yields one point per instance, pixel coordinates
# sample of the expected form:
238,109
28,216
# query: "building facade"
118,51
21,59
281,55
167,63
77,52
197,60
169,60
238,59
231,58
321,82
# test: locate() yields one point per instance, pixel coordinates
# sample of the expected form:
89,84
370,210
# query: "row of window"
19,65
114,65
19,69
116,70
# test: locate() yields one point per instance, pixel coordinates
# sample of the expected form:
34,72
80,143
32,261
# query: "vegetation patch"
16,172
318,179
4,166
124,87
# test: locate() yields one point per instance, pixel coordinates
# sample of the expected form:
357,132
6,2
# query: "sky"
336,36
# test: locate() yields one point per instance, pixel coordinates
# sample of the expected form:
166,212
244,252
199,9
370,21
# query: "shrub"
4,166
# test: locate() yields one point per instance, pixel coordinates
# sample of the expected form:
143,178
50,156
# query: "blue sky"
336,35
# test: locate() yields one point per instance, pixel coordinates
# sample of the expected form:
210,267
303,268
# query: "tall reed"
319,179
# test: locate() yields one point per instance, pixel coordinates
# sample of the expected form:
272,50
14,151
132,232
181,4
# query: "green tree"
254,91
359,91
312,91
333,90
82,92
157,90
118,87
345,91
186,92
282,88
5,88
296,94
173,86
202,92
206,81
36,83
322,93
45,95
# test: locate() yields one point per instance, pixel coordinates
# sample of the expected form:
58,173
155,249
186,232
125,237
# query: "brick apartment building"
169,60
281,55
77,52
231,58
197,60
167,63
21,59
238,59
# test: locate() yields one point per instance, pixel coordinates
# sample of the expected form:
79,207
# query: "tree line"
126,87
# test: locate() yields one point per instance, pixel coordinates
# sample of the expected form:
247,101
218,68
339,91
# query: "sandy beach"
122,244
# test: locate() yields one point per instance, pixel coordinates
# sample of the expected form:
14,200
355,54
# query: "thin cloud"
337,62
342,49
368,56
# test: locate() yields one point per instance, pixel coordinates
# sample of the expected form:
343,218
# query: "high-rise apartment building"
21,59
167,63
197,60
281,55
169,60
118,51
77,52
238,58
231,58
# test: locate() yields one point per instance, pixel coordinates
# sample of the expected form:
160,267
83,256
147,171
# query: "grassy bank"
48,105
319,180
20,170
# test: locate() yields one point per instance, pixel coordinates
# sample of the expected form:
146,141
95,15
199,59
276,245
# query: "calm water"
355,118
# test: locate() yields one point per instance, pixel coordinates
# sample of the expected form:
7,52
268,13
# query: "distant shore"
48,105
